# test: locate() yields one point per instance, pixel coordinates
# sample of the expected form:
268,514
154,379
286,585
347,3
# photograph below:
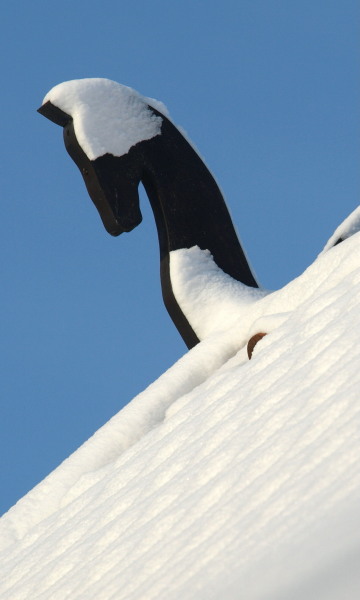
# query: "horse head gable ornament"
118,138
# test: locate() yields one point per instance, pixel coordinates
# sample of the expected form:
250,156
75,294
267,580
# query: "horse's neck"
189,211
188,206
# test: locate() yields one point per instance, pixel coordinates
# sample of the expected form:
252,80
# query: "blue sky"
269,93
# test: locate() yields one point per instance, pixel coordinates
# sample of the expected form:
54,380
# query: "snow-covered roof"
226,478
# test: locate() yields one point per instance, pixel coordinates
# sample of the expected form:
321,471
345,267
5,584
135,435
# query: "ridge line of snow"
346,229
122,431
148,409
250,481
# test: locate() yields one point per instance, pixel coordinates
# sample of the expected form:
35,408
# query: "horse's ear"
54,114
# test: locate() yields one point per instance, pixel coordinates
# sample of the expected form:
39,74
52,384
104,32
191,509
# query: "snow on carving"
188,206
108,117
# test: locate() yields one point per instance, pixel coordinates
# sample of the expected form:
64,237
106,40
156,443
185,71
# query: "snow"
347,228
226,477
209,298
108,117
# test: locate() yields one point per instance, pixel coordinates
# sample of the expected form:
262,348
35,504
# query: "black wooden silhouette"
188,207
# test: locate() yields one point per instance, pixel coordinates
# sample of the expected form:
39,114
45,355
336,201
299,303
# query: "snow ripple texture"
226,478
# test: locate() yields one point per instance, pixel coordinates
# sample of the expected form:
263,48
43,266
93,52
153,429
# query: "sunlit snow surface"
350,226
226,478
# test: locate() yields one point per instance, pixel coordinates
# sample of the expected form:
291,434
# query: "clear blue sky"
269,92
